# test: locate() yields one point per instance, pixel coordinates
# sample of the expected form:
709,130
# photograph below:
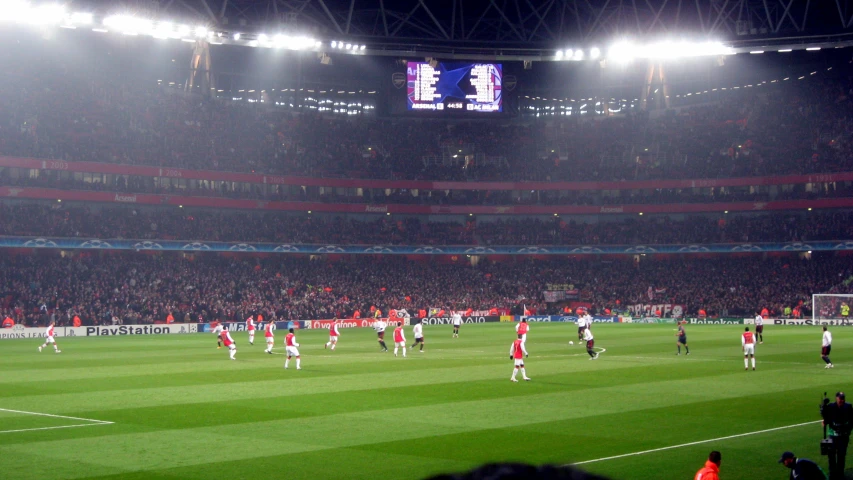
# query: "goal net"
827,306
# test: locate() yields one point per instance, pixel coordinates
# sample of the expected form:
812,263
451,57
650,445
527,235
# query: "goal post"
828,306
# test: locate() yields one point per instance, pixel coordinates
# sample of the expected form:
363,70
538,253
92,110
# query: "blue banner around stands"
199,246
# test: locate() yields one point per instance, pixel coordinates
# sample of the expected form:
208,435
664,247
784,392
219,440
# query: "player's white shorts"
270,340
49,340
333,338
399,344
523,337
519,362
292,352
749,349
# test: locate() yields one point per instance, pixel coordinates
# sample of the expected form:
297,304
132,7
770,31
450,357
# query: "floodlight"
594,53
200,32
812,49
756,52
578,55
349,45
785,50
236,36
263,37
559,54
334,44
362,47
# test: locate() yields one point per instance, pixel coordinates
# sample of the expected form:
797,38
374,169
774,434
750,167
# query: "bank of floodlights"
626,51
347,47
22,12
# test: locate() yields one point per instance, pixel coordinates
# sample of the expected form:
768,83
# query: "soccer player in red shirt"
747,343
269,336
399,340
333,335
48,339
250,326
517,353
228,342
290,345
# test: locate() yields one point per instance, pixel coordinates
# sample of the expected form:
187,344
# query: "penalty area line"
700,442
104,422
54,428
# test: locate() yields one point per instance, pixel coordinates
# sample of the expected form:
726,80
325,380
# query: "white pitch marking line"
54,428
672,447
57,416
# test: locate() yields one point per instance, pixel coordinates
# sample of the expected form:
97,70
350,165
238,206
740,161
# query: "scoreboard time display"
454,87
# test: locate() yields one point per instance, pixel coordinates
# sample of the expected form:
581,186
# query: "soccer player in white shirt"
250,326
456,319
333,335
418,332
48,339
581,327
759,327
269,335
590,343
379,326
747,343
826,347
216,331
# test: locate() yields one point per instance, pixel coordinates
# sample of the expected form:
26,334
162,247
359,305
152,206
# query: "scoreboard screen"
454,87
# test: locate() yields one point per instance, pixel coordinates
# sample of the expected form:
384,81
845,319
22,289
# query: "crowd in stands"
140,288
65,112
135,184
128,222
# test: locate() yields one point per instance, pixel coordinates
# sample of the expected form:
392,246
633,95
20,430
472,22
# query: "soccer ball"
571,342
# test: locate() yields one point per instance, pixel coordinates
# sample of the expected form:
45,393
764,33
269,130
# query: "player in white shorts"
747,343
399,340
48,339
456,319
250,327
290,346
229,342
333,335
270,337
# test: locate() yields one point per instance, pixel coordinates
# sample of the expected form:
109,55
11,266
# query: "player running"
225,335
747,343
418,332
48,339
590,343
269,328
517,352
682,338
217,330
333,335
250,327
399,340
379,326
581,327
291,347
456,320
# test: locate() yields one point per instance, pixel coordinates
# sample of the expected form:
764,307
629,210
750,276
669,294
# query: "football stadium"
330,239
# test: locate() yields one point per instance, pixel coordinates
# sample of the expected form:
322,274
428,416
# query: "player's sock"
55,348
590,352
753,363
218,344
679,349
404,351
298,362
523,373
826,360
232,352
286,362
395,350
745,363
514,371
687,349
334,345
422,347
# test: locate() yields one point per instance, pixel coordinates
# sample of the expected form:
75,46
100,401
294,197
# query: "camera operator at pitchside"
838,419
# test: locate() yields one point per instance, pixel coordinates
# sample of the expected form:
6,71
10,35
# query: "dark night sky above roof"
537,23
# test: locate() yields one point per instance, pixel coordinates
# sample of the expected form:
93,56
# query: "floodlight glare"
594,53
334,43
559,54
200,32
578,55
81,18
236,36
263,37
625,51
362,47
349,46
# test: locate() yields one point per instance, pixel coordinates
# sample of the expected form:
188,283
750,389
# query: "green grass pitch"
179,408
